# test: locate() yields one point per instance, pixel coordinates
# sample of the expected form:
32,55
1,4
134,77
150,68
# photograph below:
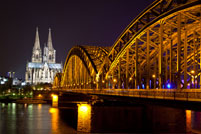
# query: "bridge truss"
161,48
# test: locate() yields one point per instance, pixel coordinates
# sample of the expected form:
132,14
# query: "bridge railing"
183,95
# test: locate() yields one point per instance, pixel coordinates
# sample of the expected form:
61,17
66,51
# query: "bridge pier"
55,100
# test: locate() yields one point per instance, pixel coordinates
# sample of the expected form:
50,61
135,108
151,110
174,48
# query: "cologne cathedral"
42,68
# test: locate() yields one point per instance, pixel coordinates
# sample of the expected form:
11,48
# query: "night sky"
76,22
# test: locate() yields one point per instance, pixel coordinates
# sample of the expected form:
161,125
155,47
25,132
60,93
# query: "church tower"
45,53
42,69
37,53
51,51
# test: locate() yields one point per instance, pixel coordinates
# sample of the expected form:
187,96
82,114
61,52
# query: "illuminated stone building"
42,68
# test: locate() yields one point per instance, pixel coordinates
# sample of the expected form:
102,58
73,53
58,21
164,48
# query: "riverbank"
21,99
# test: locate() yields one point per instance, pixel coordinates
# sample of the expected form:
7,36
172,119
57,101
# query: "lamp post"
114,82
193,77
154,77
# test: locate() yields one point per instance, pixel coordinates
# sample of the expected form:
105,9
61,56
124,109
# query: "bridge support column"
170,66
194,58
166,68
185,60
55,100
127,67
200,47
179,51
155,76
160,58
136,64
148,64
119,74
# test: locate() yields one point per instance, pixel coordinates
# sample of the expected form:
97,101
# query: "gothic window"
46,74
29,76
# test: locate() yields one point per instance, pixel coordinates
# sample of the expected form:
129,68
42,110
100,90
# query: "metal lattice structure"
82,65
161,48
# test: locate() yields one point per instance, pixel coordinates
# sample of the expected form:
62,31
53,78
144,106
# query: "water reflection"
31,119
84,118
188,121
196,121
42,118
55,117
137,119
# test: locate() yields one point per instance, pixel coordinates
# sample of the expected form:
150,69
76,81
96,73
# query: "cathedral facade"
43,67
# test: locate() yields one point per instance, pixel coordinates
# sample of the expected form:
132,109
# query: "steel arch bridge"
160,48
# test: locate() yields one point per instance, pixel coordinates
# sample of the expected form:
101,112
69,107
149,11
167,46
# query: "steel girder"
165,45
82,63
57,80
161,46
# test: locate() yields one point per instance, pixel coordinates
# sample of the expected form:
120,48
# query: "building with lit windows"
42,68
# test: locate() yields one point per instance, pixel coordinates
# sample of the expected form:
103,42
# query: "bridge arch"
161,42
57,80
160,48
82,63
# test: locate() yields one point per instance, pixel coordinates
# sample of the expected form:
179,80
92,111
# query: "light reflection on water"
44,119
84,118
188,121
31,119
55,117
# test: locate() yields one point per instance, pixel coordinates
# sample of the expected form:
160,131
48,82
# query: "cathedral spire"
49,42
37,41
37,53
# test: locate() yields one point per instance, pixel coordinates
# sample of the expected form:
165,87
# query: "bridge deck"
168,94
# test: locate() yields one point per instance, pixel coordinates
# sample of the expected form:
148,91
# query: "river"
44,119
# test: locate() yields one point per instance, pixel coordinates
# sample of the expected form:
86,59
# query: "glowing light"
188,120
52,110
55,97
55,100
114,80
143,86
84,118
103,81
39,106
84,108
2,82
192,71
55,115
169,85
153,76
130,78
40,96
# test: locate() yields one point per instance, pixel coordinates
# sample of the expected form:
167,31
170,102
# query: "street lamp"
153,76
114,80
192,72
193,77
114,83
